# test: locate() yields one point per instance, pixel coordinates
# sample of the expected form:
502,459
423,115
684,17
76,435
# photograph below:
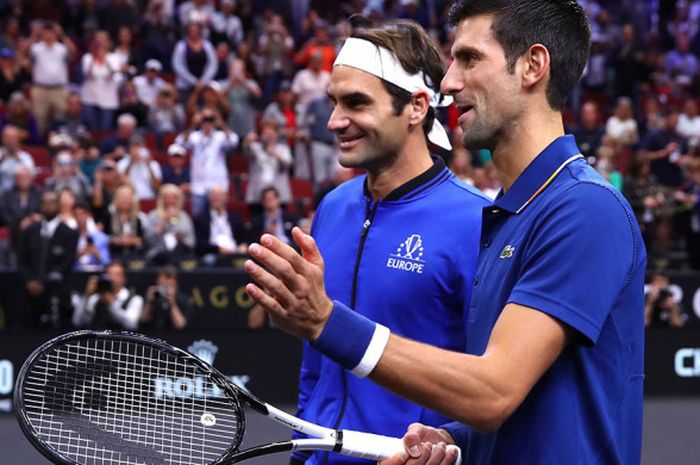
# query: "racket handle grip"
376,447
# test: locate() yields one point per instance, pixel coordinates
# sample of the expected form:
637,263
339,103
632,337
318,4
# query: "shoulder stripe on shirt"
548,182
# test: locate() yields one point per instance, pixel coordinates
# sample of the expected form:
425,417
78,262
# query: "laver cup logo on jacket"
408,256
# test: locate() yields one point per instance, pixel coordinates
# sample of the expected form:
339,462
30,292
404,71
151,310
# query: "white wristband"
374,352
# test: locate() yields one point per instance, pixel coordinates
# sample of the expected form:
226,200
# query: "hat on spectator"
177,150
136,140
7,52
64,158
154,65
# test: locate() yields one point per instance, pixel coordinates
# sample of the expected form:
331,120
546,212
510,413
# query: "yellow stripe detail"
548,181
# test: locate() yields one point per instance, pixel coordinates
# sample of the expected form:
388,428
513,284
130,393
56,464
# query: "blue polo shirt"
563,241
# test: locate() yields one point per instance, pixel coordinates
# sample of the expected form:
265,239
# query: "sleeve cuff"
460,434
352,340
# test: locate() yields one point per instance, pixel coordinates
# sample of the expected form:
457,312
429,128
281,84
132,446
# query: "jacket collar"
415,186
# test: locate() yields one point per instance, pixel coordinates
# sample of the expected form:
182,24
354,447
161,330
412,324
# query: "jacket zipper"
369,218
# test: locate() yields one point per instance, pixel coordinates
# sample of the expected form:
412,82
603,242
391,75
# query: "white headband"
378,61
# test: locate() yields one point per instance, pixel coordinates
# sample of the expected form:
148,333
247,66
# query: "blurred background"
144,144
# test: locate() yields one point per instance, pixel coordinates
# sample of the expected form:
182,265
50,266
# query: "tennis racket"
116,398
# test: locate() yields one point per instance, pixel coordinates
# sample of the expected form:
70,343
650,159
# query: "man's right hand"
424,446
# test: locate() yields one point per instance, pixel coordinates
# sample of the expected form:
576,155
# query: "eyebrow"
352,97
466,53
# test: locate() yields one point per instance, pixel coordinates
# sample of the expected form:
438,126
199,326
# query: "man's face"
125,130
10,138
74,106
589,115
217,199
23,178
270,201
368,131
486,94
49,205
81,217
116,273
167,281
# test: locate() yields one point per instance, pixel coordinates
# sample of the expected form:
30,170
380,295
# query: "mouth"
465,111
350,141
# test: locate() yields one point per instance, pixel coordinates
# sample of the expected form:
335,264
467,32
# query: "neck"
413,160
526,139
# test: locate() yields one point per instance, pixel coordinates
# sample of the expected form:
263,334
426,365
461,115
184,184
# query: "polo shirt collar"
539,174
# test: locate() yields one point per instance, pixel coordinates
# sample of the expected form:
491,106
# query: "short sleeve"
580,257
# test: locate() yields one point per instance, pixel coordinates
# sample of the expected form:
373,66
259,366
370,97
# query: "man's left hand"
291,287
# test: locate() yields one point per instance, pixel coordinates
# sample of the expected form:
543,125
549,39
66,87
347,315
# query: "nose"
452,82
338,120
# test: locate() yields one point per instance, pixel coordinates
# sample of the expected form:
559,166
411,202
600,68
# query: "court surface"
671,436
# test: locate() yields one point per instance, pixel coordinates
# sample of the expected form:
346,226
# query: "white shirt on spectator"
221,234
624,131
147,90
9,167
208,166
308,86
689,128
140,177
100,81
230,26
50,64
125,315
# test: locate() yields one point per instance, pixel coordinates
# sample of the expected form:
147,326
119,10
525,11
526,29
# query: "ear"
536,65
420,103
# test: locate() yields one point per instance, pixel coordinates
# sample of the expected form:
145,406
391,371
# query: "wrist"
352,340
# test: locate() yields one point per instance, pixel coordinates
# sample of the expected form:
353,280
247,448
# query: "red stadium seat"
302,189
239,207
146,205
40,155
238,164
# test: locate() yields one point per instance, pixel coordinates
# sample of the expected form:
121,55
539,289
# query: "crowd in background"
158,131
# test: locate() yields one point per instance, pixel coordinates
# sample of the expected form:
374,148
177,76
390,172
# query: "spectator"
223,60
166,307
689,125
149,84
129,103
140,169
18,114
107,302
125,53
116,14
627,61
227,25
166,115
125,224
208,96
661,308
219,231
209,140
193,60
461,164
74,122
273,219
197,11
323,148
66,175
50,53
621,126
681,63
177,172
158,33
666,150
168,229
66,205
270,160
19,206
12,75
88,156
652,118
319,48
115,145
688,212
274,47
285,112
12,157
107,180
589,133
101,74
93,245
242,94
312,82
46,257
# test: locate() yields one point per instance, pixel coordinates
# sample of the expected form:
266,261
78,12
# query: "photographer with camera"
661,309
166,307
107,303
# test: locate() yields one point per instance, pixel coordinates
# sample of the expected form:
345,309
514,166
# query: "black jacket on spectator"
666,171
12,212
48,261
257,227
202,231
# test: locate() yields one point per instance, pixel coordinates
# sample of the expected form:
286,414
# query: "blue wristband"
346,336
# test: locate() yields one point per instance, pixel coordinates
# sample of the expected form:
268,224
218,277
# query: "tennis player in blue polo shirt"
553,368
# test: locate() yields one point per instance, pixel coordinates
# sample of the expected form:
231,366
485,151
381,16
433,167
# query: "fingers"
278,264
268,282
286,252
308,247
268,302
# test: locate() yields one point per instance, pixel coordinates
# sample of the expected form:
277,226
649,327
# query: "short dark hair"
560,25
414,49
272,189
168,271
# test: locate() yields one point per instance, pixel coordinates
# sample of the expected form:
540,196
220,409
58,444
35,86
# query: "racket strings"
118,402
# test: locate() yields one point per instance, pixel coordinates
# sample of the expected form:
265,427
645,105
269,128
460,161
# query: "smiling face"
369,132
486,94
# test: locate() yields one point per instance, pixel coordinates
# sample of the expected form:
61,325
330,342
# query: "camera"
104,284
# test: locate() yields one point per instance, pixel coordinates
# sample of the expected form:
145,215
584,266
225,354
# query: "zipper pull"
365,227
